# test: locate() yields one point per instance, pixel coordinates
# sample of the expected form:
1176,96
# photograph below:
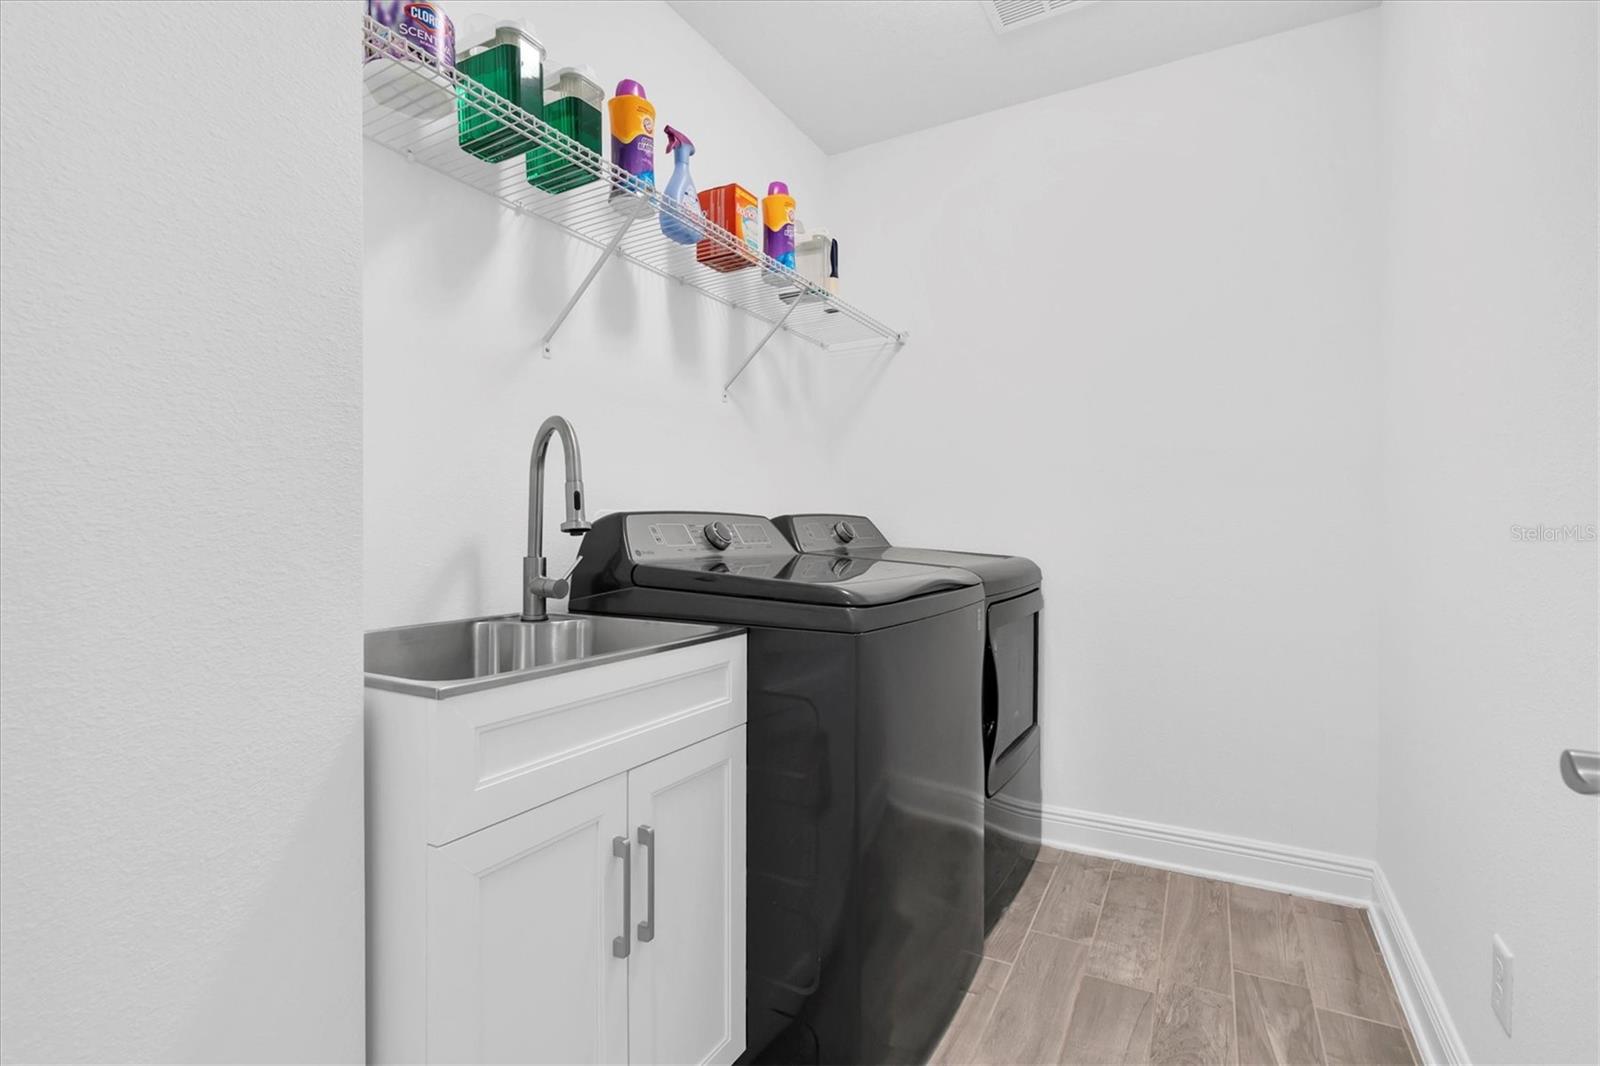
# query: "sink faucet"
536,587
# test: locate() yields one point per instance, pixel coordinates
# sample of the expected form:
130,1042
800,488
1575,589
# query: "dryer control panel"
655,537
830,532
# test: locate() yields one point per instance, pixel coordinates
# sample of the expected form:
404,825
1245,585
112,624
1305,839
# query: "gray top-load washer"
1010,705
865,799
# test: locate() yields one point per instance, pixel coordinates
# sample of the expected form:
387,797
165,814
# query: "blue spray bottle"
680,191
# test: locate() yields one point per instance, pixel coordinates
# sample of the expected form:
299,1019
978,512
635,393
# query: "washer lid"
823,580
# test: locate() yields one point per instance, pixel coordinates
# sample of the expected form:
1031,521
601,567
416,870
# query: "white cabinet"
598,923
686,974
520,921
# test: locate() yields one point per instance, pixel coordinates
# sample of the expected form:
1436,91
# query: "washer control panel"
830,532
690,535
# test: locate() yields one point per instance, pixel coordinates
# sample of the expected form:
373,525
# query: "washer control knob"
718,535
844,531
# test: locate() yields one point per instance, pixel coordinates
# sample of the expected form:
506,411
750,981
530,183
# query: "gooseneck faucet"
536,587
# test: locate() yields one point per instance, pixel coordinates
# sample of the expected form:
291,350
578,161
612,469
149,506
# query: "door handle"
1581,770
620,945
647,928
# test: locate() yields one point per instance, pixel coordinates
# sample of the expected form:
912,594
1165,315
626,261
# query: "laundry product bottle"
509,64
633,144
572,99
680,191
777,223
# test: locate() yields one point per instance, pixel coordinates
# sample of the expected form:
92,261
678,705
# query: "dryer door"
1011,687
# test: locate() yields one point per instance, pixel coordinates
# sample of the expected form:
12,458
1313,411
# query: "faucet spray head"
577,524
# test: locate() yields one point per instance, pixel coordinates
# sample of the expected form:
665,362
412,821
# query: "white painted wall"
457,291
1143,353
180,705
1489,665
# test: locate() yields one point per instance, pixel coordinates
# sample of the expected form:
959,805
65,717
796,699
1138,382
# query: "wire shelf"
411,108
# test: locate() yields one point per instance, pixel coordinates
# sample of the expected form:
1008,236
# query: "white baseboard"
1282,868
1318,874
1437,1036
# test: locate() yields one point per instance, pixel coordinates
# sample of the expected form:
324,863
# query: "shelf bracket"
762,343
588,279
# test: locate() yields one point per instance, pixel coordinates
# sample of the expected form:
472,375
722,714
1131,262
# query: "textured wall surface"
180,435
1489,666
1152,367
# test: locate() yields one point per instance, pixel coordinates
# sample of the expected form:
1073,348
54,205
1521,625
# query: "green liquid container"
511,65
572,106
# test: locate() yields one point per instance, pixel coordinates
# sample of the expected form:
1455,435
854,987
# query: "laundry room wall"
1144,353
458,290
180,434
1489,665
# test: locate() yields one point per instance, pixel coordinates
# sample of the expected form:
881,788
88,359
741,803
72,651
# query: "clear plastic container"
511,65
572,102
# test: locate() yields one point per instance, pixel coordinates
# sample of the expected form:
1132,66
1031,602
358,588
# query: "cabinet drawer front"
505,750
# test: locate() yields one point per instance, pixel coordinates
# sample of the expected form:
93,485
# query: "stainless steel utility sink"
442,659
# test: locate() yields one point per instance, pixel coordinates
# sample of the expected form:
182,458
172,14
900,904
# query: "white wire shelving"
411,109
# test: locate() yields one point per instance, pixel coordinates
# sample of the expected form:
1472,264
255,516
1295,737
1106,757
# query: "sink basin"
441,659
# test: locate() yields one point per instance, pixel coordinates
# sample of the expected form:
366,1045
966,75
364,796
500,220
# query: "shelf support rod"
583,286
762,343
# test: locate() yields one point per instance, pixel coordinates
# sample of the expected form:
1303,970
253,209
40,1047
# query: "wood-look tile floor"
1097,961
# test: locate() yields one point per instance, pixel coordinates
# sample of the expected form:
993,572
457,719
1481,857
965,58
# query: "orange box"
735,209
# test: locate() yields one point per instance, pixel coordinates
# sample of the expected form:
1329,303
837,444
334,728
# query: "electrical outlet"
1500,990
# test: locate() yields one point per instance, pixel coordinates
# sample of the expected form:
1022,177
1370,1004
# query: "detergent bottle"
509,64
633,145
777,223
680,191
572,102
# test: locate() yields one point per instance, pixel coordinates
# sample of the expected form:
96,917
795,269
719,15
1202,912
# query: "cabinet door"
521,917
686,977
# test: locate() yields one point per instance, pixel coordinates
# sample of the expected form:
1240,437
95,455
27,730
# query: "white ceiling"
852,72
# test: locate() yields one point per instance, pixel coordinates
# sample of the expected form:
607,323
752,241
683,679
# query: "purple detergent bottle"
777,224
633,144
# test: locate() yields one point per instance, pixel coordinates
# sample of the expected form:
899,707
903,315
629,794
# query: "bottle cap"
583,70
507,29
778,188
629,87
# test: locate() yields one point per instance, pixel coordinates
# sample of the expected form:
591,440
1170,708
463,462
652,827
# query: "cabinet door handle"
620,945
647,928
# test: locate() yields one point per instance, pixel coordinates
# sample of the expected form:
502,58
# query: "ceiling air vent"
1008,15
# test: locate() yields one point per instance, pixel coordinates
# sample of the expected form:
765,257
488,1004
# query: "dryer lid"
859,536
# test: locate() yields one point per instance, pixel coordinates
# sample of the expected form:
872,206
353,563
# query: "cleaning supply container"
817,260
633,144
735,209
511,65
572,99
813,256
680,191
423,26
777,223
